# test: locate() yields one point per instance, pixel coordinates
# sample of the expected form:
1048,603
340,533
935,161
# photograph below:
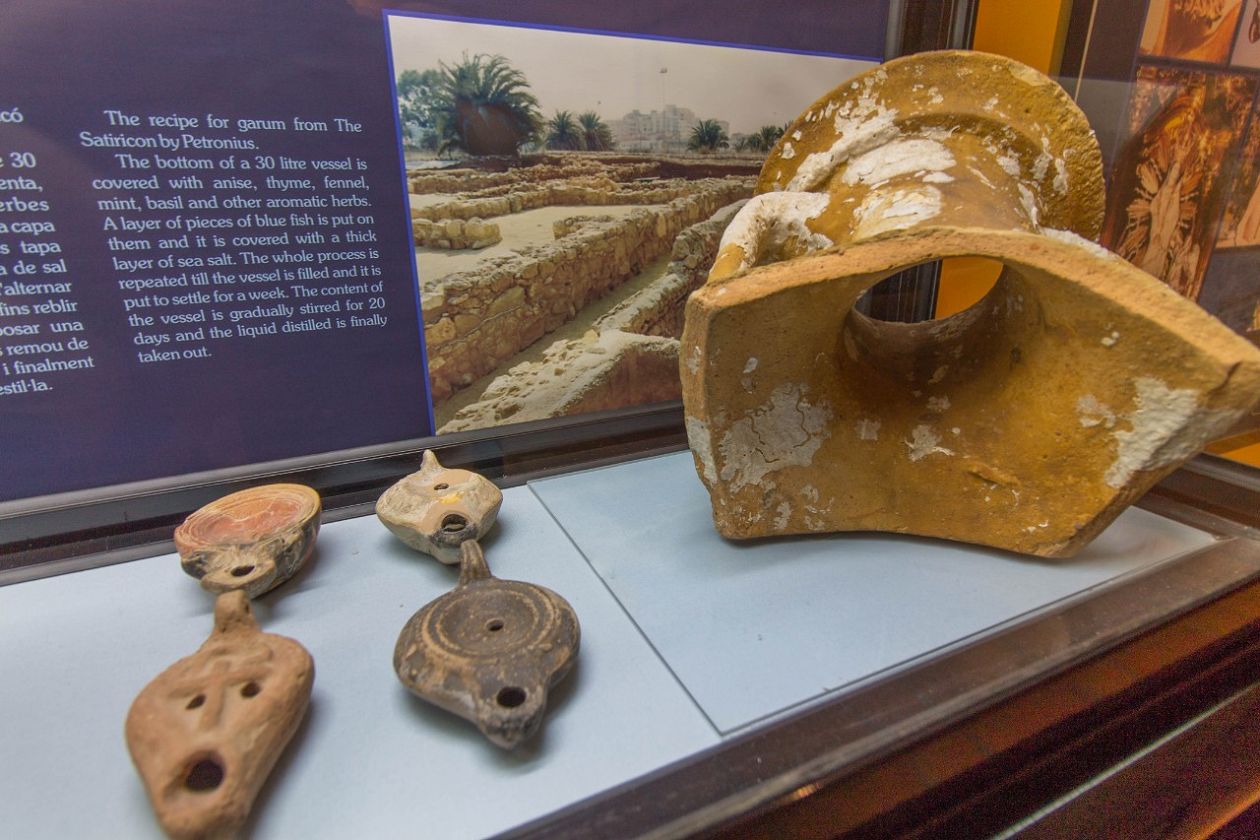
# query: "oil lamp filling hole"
510,696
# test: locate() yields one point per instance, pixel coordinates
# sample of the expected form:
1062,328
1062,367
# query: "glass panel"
1171,89
273,240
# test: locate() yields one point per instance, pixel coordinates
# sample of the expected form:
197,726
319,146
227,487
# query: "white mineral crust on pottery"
1028,421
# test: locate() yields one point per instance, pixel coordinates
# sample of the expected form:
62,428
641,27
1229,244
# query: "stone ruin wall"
583,192
535,169
456,234
460,224
472,180
598,371
477,320
658,309
629,357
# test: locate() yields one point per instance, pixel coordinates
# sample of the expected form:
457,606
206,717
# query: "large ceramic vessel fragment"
252,540
437,509
490,650
1028,421
206,732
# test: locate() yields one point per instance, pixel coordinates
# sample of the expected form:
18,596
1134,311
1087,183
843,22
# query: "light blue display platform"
751,629
685,639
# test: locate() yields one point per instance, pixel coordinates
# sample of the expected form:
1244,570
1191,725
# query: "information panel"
207,256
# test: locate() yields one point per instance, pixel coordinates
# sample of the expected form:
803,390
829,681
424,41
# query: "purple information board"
205,251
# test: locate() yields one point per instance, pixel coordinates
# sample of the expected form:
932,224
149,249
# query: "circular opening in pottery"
196,701
931,290
510,696
453,523
494,625
241,571
250,689
442,486
204,775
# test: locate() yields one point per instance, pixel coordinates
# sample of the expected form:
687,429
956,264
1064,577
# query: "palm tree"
483,106
708,136
762,140
767,136
596,132
563,133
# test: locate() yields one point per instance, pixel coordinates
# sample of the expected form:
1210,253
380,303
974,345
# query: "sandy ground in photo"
416,201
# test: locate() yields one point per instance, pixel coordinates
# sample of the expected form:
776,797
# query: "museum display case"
250,297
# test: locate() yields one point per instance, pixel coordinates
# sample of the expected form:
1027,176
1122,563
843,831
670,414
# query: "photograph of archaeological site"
568,191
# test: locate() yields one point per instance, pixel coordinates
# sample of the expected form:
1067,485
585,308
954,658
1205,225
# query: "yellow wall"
1030,31
964,280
